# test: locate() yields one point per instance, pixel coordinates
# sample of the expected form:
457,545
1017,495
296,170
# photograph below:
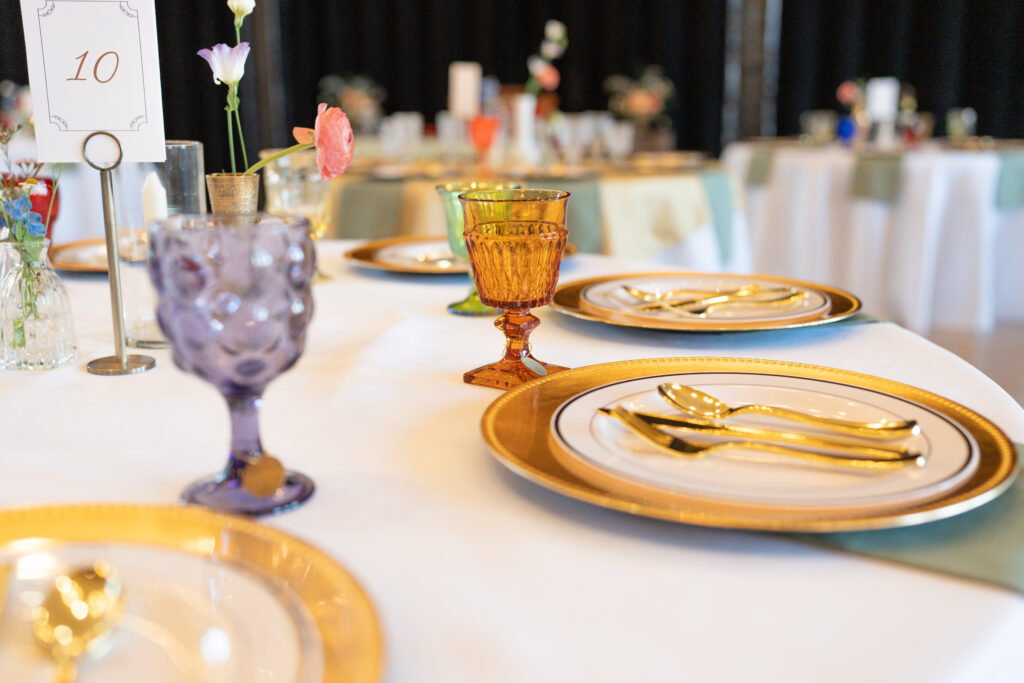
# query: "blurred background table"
928,238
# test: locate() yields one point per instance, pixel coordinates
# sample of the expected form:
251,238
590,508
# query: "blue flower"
18,211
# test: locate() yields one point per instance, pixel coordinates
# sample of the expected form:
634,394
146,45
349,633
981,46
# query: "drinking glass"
456,223
482,129
293,186
235,300
515,240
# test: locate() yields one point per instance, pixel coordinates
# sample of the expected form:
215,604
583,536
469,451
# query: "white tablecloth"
479,575
941,255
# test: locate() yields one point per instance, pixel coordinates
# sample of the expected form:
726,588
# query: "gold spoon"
77,615
696,402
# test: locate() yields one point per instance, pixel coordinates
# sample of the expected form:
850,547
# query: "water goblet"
515,240
235,300
456,224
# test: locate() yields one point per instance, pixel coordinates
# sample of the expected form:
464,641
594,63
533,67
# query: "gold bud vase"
233,193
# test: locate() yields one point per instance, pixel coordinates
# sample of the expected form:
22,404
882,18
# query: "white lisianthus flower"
227,63
554,30
241,8
535,65
550,50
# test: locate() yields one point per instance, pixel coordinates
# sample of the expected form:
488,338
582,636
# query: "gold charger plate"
83,256
349,633
567,301
516,428
367,256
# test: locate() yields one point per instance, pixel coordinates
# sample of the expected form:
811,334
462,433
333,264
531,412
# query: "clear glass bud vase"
37,330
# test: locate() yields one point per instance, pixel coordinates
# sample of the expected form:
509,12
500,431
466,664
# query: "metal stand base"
111,365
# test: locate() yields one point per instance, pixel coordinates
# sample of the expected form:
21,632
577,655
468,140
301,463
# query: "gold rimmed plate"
424,255
83,256
977,464
207,596
602,299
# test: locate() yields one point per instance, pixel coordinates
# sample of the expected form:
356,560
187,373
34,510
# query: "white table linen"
941,255
479,575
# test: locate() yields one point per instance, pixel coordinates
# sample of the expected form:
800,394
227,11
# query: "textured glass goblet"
515,240
235,300
456,223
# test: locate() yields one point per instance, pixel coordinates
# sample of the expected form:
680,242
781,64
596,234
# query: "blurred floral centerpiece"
543,74
643,100
15,106
358,96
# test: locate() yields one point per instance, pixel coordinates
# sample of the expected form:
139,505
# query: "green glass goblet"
455,220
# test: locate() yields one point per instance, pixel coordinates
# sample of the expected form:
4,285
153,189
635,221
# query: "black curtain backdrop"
406,46
956,53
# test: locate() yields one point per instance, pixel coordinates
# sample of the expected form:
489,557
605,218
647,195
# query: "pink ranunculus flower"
548,77
847,93
333,139
227,63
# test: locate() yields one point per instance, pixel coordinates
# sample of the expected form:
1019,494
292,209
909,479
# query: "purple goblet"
234,302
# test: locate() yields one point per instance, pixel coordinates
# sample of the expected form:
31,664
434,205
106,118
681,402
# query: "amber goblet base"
517,365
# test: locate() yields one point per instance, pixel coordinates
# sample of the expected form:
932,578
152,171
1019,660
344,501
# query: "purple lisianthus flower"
227,63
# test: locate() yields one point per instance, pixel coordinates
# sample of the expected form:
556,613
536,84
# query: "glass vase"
37,330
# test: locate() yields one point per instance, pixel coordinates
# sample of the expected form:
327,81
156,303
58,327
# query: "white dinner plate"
425,253
610,299
601,446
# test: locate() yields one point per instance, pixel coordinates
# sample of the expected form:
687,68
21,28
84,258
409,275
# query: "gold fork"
681,448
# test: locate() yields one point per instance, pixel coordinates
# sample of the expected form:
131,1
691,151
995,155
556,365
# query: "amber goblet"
456,224
515,240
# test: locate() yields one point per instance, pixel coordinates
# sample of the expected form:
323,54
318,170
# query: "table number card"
93,65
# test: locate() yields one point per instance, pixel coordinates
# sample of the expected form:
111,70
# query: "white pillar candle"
464,89
154,200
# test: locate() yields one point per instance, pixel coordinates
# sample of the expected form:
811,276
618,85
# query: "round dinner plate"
610,299
517,430
602,450
822,304
425,255
206,597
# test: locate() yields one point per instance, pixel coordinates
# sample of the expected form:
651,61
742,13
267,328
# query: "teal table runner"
369,208
985,544
720,199
1010,188
877,176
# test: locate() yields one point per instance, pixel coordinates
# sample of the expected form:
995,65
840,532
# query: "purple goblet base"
224,492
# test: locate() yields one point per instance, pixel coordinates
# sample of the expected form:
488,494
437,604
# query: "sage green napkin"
877,176
369,209
719,191
760,166
582,213
985,544
1010,190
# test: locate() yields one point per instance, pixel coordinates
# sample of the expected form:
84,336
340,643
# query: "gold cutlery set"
699,302
704,414
77,616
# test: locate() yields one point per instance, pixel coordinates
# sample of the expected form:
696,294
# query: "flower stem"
231,143
53,191
241,140
278,155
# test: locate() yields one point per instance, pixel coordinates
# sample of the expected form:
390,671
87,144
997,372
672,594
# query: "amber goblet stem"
517,324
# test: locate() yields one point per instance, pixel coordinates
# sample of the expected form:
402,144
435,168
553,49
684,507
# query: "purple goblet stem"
245,427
